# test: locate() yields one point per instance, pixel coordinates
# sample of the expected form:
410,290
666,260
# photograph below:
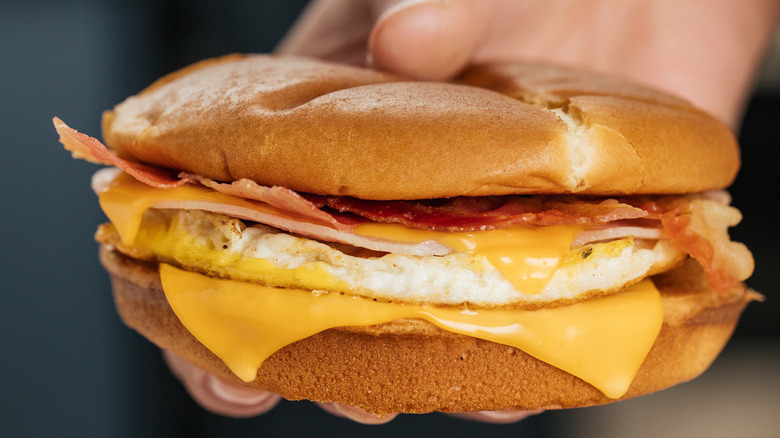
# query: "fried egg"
226,247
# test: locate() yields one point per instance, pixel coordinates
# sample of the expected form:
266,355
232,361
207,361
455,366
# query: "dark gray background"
68,367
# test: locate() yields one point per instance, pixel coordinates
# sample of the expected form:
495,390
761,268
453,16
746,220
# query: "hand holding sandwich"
705,51
436,39
552,113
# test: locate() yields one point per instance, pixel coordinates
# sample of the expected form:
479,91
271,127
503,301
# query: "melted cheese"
125,200
601,341
527,257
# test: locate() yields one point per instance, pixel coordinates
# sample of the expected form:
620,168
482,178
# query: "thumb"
429,39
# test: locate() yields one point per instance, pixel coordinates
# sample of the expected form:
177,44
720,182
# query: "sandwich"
522,237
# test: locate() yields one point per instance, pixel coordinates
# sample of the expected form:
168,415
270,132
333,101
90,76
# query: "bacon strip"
699,228
279,197
485,213
88,148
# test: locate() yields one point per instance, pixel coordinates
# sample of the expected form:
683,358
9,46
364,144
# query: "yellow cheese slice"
602,341
125,200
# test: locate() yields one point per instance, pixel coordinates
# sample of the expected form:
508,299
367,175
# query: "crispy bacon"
485,213
699,228
88,148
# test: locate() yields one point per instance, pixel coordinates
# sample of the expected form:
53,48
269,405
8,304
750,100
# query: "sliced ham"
279,197
261,212
618,230
295,224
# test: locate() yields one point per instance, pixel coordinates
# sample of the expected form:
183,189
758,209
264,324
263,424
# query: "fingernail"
496,417
507,416
236,394
220,396
355,414
409,3
393,10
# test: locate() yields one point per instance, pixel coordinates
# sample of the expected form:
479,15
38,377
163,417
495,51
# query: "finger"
336,30
495,417
354,414
430,39
218,395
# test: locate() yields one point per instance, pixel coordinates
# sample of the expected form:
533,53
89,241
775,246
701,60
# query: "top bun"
326,128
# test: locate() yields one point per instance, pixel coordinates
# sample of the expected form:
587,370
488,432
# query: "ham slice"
619,230
313,230
279,197
262,212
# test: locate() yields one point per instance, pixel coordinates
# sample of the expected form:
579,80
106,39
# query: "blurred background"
69,368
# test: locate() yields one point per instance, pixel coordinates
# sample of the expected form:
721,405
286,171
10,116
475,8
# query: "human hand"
707,51
222,397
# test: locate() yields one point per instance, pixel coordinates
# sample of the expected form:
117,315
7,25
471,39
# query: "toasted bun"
412,366
325,128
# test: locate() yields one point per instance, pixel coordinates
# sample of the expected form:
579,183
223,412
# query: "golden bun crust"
325,128
423,368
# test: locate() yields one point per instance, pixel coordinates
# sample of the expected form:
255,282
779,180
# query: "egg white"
227,247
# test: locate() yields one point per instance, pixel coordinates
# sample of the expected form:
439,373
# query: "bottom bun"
414,367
